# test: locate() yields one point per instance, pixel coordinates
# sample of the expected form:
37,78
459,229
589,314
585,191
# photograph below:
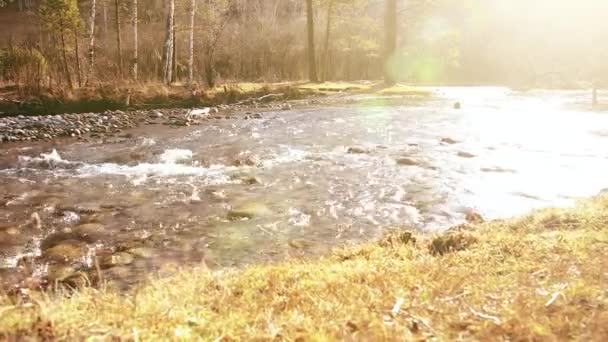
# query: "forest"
69,43
303,170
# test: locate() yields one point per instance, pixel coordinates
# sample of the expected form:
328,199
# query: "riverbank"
106,112
16,101
540,276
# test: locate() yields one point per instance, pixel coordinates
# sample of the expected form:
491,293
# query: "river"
291,183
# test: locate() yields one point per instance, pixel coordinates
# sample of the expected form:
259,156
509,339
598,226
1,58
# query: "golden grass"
402,89
539,277
335,86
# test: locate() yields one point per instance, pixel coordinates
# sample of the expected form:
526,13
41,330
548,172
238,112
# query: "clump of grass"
538,277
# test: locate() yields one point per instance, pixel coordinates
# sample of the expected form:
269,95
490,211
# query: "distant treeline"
48,43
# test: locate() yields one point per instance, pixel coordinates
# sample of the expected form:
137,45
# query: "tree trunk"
92,40
168,53
66,68
135,41
327,35
390,40
191,47
312,65
105,16
174,62
118,37
77,57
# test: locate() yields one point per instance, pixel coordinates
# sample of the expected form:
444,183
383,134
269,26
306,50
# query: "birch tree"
191,45
118,37
135,40
312,65
168,50
91,54
390,39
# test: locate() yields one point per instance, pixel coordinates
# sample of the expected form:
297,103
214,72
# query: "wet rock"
472,216
449,141
66,251
357,150
35,221
89,230
59,272
117,259
77,280
406,162
299,243
497,170
142,252
118,272
462,154
155,114
249,180
249,211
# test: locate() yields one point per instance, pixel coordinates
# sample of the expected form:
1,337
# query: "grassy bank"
539,277
16,101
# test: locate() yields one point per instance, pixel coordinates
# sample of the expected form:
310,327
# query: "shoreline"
27,128
538,276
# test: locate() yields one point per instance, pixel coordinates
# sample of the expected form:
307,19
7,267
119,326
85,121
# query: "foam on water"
177,155
171,163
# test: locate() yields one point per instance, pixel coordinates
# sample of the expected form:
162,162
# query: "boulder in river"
462,154
117,259
406,162
356,150
248,211
65,251
448,141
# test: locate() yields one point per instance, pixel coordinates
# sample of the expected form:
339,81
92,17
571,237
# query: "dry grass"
539,277
402,89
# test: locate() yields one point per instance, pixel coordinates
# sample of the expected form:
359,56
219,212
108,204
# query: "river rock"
66,251
142,252
89,229
299,243
357,150
406,162
249,211
448,141
462,154
117,259
59,272
474,217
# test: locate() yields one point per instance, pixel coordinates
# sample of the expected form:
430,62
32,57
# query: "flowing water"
292,183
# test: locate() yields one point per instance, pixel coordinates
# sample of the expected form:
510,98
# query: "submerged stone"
462,154
142,252
118,259
66,251
406,162
248,211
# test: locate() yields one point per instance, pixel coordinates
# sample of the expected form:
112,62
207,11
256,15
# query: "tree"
191,45
61,17
330,5
168,49
92,40
118,37
135,40
390,40
312,65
